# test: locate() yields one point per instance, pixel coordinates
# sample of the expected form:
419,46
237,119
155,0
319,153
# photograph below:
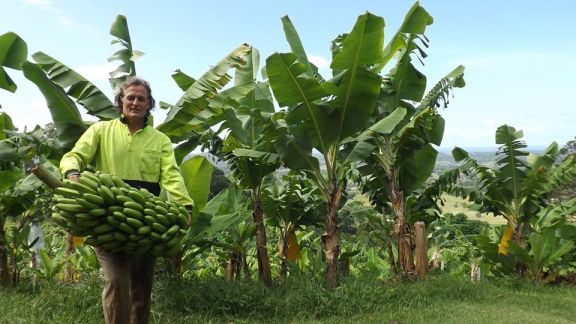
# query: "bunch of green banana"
119,218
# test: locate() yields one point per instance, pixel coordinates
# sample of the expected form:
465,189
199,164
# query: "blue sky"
519,54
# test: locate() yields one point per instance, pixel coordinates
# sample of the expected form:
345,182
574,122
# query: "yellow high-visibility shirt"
147,155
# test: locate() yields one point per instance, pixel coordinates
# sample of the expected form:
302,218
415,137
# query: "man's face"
135,102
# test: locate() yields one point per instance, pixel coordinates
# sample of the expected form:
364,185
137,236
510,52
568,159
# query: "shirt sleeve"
171,179
82,153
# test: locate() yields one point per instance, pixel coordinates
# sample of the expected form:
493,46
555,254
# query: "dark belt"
153,187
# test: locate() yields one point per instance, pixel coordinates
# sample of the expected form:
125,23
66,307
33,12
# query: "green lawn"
457,205
438,299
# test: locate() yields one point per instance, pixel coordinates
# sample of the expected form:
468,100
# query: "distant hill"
444,161
484,155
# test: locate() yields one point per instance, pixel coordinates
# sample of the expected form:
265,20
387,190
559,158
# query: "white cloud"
27,113
69,22
319,61
47,7
44,5
95,72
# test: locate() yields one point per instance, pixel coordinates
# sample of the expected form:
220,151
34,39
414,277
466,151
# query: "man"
130,148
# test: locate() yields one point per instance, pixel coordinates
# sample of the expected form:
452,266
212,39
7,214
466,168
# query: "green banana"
119,216
104,238
67,192
106,180
80,187
134,205
149,219
134,222
103,228
74,208
95,199
163,220
59,219
119,236
144,230
83,217
89,183
160,210
112,209
118,182
126,228
88,223
86,204
159,228
133,213
98,211
155,236
149,205
62,200
121,199
90,176
172,230
137,196
107,194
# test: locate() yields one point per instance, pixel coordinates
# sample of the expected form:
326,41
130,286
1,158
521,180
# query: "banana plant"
126,54
397,159
246,149
550,242
320,114
290,204
518,184
13,52
243,110
17,191
229,228
195,111
53,78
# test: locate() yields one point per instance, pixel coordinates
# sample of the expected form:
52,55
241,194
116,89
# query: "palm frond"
79,88
439,95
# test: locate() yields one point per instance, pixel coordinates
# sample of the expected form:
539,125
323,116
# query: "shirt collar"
148,120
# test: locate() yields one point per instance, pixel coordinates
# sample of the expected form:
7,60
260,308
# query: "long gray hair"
133,81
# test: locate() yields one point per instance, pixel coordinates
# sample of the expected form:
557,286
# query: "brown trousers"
127,287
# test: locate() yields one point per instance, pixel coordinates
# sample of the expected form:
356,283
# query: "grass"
438,299
457,205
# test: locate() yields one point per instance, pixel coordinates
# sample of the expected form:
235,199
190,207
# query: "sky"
518,54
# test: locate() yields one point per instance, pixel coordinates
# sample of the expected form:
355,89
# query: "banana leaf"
197,173
192,109
13,52
65,115
79,88
126,54
5,125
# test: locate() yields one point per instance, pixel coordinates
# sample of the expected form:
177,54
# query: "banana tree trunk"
391,260
177,264
234,266
331,238
403,233
69,267
519,237
421,248
284,252
264,272
4,274
245,266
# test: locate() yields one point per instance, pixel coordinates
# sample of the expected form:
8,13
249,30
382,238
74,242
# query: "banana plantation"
326,177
